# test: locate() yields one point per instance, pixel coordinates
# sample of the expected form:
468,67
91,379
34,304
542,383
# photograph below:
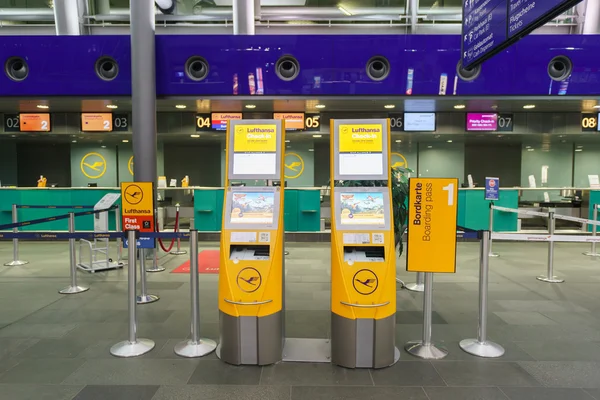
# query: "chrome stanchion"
144,297
119,240
133,346
15,261
549,277
481,346
491,253
424,348
417,286
74,288
178,251
155,267
593,252
196,346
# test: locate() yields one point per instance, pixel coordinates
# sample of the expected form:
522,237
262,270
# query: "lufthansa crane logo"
249,280
365,282
134,194
399,161
294,165
130,165
93,165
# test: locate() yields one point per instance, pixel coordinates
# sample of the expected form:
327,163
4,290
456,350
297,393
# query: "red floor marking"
208,263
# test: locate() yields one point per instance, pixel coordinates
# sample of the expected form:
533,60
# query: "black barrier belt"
49,219
90,235
57,207
468,233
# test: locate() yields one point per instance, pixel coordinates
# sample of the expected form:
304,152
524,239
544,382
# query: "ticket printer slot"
253,252
364,254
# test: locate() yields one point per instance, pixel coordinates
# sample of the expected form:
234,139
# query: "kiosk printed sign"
255,149
362,208
252,207
361,149
492,189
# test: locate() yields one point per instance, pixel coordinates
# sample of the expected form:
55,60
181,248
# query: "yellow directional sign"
294,165
432,217
93,165
137,198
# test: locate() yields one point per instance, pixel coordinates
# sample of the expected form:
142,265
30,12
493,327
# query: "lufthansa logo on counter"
249,280
93,165
399,161
130,165
365,282
294,165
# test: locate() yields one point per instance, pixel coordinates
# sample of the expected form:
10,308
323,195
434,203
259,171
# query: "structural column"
243,17
67,17
143,82
591,24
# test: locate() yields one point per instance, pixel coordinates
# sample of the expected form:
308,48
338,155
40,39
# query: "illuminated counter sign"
96,122
293,121
138,209
432,225
219,120
34,123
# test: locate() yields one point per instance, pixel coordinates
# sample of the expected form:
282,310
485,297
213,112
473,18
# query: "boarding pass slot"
354,254
254,252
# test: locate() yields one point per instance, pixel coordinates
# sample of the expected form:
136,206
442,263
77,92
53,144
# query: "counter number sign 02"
432,225
12,123
138,210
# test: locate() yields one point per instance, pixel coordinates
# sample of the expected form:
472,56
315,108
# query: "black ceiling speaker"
378,68
16,68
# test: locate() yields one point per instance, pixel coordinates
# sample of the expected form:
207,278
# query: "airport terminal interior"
299,200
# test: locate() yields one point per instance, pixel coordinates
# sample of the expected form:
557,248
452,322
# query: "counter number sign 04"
432,225
203,123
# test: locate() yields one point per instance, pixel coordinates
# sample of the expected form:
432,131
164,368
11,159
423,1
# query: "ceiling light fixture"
103,147
578,149
390,106
597,106
125,141
398,141
311,149
430,147
251,106
459,106
317,136
449,141
530,149
344,10
195,136
529,106
287,141
112,106
43,106
73,141
320,106
180,106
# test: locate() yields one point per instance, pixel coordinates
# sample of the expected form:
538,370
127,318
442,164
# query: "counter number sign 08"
12,123
589,122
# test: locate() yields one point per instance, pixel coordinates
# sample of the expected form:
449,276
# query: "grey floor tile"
41,371
12,347
195,392
562,351
463,393
515,393
121,392
216,372
305,374
595,393
56,348
416,317
512,353
524,318
143,371
23,330
407,373
357,393
38,392
571,374
472,373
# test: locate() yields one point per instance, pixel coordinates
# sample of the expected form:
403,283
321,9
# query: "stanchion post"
15,261
196,346
549,277
74,288
418,286
155,267
178,251
133,346
119,240
144,297
491,253
481,346
593,252
425,348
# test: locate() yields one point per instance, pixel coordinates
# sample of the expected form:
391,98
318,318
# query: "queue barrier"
55,207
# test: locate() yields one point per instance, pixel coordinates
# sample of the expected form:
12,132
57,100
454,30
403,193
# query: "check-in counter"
474,210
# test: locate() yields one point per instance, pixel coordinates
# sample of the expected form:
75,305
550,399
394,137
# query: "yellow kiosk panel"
432,217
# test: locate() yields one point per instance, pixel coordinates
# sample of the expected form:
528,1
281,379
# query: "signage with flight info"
138,209
432,217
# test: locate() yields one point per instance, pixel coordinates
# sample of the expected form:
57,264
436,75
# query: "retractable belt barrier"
49,219
56,207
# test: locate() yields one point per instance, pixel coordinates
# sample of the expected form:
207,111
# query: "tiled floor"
55,347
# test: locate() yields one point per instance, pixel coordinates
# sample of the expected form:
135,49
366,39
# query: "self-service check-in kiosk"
252,245
363,259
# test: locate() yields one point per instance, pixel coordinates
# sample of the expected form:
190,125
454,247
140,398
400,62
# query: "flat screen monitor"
96,122
482,122
419,122
35,122
362,208
219,120
252,208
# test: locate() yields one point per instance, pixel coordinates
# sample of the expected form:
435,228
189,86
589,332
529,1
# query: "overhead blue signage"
490,26
492,189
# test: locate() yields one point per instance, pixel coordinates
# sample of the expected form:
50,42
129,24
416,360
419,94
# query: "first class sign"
432,217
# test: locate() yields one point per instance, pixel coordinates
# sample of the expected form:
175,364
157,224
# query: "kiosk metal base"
415,287
485,349
147,298
128,349
307,350
553,279
190,349
425,351
16,263
178,253
74,290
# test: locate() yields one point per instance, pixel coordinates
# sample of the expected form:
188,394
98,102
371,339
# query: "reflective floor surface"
56,347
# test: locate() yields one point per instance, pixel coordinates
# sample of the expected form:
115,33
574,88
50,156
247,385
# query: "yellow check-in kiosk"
363,259
251,313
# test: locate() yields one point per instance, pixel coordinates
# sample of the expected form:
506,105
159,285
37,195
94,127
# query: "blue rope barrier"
90,235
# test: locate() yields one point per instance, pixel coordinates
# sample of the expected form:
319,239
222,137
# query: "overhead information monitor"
293,121
219,120
34,122
96,122
360,149
419,122
490,26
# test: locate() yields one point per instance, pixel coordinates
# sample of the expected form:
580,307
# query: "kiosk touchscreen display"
362,208
252,208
